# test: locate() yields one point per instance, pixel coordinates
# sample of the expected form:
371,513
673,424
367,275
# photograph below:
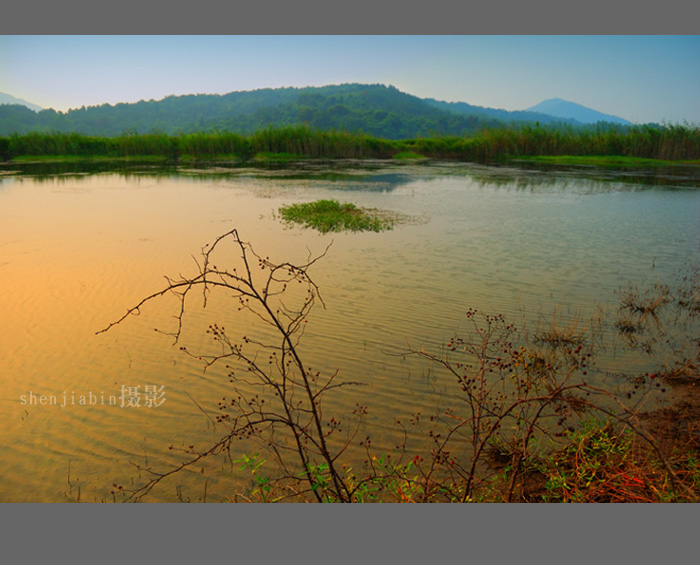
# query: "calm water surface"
76,250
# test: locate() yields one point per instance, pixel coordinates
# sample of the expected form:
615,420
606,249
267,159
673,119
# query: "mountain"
7,99
498,114
570,110
374,109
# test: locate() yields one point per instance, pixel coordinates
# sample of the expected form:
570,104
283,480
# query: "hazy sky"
639,78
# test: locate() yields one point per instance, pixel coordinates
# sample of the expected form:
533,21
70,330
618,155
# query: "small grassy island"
332,216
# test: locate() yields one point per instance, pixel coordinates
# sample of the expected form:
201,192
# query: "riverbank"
568,160
604,161
658,461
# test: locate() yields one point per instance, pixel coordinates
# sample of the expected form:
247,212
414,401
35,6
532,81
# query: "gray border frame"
295,533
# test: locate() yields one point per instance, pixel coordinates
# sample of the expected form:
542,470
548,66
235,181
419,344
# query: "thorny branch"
290,397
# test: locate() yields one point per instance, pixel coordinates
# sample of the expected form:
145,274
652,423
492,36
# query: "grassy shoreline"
634,146
567,160
604,161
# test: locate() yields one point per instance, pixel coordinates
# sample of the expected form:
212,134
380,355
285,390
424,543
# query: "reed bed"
669,142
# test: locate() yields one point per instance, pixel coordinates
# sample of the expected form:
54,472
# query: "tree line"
376,110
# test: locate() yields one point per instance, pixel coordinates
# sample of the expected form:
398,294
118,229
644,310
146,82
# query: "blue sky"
640,78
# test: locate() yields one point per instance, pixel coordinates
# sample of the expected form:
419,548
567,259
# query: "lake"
79,246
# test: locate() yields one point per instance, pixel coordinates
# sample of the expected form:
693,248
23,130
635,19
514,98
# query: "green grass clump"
332,216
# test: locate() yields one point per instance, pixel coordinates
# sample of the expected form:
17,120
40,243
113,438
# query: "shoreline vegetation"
641,146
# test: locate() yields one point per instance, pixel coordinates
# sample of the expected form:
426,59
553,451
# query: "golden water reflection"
77,251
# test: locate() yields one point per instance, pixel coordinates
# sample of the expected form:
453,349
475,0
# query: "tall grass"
670,142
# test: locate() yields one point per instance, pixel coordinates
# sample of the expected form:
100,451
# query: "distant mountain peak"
560,108
9,99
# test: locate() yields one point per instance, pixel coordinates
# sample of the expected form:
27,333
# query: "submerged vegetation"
664,143
332,216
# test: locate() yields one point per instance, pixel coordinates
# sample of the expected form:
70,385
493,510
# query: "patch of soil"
676,427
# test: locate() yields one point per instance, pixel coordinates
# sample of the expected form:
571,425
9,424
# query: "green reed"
668,142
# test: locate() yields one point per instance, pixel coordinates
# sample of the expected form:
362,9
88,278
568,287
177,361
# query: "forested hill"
378,110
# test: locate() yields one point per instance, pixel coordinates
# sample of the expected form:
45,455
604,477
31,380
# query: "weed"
262,484
332,216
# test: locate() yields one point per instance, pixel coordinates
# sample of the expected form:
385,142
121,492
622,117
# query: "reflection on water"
79,246
354,175
534,175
